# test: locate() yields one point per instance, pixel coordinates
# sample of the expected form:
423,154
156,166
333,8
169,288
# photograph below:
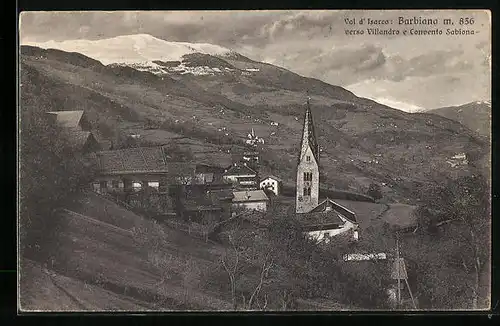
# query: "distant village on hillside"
213,194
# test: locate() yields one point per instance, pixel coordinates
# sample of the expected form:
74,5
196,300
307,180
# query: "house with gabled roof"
250,200
83,141
242,177
271,183
132,169
77,128
328,219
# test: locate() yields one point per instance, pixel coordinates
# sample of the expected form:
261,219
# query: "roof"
78,138
132,160
319,220
336,207
70,119
272,177
240,170
249,196
208,168
309,135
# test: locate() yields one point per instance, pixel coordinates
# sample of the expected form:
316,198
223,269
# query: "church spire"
308,134
307,190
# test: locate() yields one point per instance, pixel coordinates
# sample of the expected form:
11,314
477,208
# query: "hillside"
475,115
105,257
212,100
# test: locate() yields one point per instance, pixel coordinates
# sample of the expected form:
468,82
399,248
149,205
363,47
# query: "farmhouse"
250,200
77,128
197,202
132,169
271,183
242,177
208,174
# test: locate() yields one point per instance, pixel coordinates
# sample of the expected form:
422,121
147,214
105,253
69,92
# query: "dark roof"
319,220
132,160
240,170
208,168
328,203
309,127
69,119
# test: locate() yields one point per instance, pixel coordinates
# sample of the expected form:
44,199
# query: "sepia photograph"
265,160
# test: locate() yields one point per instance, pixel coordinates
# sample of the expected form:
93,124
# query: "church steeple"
309,135
307,195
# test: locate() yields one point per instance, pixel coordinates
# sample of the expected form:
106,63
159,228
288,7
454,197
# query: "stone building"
307,193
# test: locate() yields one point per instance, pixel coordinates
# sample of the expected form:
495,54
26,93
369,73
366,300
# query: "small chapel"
321,220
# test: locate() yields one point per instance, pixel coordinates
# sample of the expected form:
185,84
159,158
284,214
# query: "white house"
272,183
250,200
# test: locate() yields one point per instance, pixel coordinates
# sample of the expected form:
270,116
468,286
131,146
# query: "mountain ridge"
363,141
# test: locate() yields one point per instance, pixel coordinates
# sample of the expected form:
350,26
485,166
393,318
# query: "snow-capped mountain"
144,52
133,49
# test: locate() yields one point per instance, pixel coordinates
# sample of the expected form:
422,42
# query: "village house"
250,200
329,219
208,174
271,183
199,202
132,169
242,177
76,128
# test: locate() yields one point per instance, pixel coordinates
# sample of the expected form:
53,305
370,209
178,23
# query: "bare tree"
232,270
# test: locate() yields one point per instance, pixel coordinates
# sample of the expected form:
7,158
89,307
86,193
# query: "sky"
406,72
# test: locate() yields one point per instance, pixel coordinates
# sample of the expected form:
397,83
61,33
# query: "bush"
374,191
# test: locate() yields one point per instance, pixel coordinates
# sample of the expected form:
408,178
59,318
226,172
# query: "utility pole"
398,275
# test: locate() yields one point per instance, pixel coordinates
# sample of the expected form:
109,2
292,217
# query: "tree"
374,191
50,172
459,209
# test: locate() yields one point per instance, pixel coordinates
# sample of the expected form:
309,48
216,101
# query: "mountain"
130,49
475,115
201,100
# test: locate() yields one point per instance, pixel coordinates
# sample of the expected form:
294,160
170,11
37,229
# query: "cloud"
421,71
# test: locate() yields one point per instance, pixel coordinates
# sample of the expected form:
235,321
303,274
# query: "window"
308,158
308,176
307,191
136,185
154,184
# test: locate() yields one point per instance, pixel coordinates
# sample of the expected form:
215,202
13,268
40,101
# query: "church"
325,219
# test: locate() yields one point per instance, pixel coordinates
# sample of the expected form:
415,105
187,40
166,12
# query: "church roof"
327,204
308,134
